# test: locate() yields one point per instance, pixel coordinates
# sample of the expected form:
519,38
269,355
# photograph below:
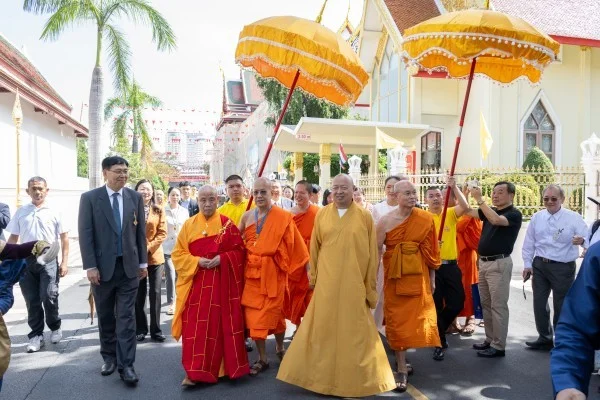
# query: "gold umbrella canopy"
278,47
506,47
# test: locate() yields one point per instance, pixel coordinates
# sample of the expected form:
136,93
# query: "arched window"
390,97
540,131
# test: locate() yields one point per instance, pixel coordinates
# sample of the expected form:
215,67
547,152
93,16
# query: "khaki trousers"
494,289
4,347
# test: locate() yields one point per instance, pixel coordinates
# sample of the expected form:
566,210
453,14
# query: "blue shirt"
578,330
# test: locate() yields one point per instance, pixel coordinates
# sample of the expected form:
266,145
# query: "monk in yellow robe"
299,293
209,260
275,249
337,349
237,204
412,255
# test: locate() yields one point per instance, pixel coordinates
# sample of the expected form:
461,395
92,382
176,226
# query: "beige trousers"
4,347
494,289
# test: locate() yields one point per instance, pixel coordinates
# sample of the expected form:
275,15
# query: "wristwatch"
480,202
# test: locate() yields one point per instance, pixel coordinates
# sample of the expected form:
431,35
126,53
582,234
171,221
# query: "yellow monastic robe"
337,350
234,212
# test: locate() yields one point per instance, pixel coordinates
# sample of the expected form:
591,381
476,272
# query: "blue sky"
189,77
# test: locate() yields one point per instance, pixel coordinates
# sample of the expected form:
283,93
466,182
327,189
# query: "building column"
325,165
590,160
374,160
298,162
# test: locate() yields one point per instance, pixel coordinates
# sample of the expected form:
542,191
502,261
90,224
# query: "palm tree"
103,13
132,102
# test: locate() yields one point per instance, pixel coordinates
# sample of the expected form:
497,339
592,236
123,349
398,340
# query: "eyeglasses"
119,171
552,199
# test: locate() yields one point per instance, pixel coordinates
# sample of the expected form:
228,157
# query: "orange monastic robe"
408,307
468,232
277,253
299,294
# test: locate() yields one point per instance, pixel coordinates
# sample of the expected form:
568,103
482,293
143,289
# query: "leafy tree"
132,101
82,158
103,13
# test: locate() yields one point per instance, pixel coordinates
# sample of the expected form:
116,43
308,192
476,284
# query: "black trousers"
449,297
555,277
141,321
115,304
39,285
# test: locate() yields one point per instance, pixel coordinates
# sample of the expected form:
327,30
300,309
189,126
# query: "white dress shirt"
33,223
550,236
175,219
380,209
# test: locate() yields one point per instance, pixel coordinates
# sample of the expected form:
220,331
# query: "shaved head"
261,190
406,194
342,188
208,200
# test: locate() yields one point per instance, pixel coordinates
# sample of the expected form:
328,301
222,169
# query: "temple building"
47,136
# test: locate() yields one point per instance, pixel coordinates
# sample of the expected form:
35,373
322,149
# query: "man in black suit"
112,239
187,201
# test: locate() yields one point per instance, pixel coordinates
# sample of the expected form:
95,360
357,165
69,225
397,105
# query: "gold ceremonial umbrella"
303,53
486,43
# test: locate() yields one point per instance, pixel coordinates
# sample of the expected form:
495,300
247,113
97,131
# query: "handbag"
478,311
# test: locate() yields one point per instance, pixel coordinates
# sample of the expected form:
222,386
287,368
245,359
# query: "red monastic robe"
209,317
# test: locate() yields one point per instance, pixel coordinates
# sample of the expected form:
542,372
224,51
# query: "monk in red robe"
275,250
209,260
468,233
299,293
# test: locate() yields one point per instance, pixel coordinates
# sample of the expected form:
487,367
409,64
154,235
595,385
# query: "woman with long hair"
176,216
327,197
156,233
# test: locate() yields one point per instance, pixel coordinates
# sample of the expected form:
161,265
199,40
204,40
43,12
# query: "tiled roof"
574,19
22,66
407,13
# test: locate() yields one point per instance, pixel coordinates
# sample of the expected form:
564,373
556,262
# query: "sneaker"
56,336
171,310
35,344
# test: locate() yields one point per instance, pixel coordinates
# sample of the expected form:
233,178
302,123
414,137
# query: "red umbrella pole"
457,145
277,125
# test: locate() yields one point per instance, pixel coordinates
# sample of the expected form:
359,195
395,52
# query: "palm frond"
142,11
146,141
42,6
111,105
69,13
118,57
149,100
119,128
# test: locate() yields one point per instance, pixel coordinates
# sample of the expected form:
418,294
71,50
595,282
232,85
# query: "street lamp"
17,117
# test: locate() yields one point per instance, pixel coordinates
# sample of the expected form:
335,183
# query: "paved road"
70,369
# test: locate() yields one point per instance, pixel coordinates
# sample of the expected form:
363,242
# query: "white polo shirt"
33,223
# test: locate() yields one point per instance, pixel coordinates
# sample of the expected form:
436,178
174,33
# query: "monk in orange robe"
209,259
412,255
468,232
299,293
275,250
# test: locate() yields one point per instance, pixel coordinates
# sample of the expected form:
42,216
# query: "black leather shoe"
481,346
438,354
140,337
490,353
540,345
108,368
129,376
159,337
